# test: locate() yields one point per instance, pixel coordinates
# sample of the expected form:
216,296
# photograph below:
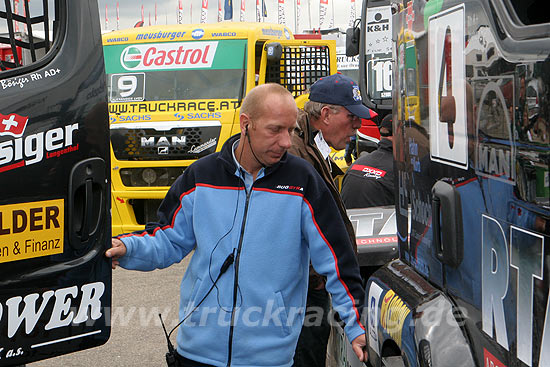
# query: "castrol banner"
164,54
169,55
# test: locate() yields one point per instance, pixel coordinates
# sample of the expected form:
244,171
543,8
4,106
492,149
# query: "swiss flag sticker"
491,360
13,124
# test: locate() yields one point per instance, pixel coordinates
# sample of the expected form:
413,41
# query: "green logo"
130,57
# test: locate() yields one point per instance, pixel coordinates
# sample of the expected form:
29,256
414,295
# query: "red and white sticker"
369,171
490,360
29,149
13,124
447,88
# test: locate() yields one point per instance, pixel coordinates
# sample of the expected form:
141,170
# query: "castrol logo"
131,57
169,55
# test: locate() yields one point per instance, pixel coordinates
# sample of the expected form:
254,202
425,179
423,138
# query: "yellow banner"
32,229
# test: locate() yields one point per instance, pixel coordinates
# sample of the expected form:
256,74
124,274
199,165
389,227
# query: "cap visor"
361,111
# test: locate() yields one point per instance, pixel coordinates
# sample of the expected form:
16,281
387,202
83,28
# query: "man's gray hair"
313,109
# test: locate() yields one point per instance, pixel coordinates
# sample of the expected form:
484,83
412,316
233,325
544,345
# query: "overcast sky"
130,12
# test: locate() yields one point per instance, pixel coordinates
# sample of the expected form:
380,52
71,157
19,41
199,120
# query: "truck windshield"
175,70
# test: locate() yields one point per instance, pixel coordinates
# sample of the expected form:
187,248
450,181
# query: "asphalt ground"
137,338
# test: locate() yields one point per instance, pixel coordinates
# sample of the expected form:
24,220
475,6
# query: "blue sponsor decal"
272,32
224,34
159,35
197,33
287,34
130,118
198,115
117,39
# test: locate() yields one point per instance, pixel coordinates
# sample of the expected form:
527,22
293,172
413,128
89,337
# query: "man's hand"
117,250
359,347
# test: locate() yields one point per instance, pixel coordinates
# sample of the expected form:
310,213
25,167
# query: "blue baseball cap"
338,89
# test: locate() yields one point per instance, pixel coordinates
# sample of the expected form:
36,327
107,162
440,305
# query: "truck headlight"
149,175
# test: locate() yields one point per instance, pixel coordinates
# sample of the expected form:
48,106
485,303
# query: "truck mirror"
352,41
274,51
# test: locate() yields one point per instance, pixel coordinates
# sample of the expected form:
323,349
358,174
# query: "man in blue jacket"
255,216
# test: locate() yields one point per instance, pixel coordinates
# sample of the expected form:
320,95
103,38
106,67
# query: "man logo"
197,34
130,57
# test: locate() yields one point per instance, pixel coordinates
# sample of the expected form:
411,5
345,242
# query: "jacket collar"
303,128
226,156
306,132
385,144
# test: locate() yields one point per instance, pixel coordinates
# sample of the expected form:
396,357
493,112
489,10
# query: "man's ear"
325,113
244,121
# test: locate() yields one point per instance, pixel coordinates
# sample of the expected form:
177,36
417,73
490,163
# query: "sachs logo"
131,57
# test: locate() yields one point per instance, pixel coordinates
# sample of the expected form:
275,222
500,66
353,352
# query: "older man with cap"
329,119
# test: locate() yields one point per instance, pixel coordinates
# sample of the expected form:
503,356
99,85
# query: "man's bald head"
254,104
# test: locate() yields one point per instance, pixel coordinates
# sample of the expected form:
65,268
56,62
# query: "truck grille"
141,144
145,210
299,67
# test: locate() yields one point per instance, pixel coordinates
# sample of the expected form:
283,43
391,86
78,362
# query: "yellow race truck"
175,93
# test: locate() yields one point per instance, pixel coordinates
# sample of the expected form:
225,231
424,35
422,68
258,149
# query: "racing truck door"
471,153
55,283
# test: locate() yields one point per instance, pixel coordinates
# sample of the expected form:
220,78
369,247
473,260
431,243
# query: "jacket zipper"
236,281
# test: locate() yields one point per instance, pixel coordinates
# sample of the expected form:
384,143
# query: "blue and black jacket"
254,314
